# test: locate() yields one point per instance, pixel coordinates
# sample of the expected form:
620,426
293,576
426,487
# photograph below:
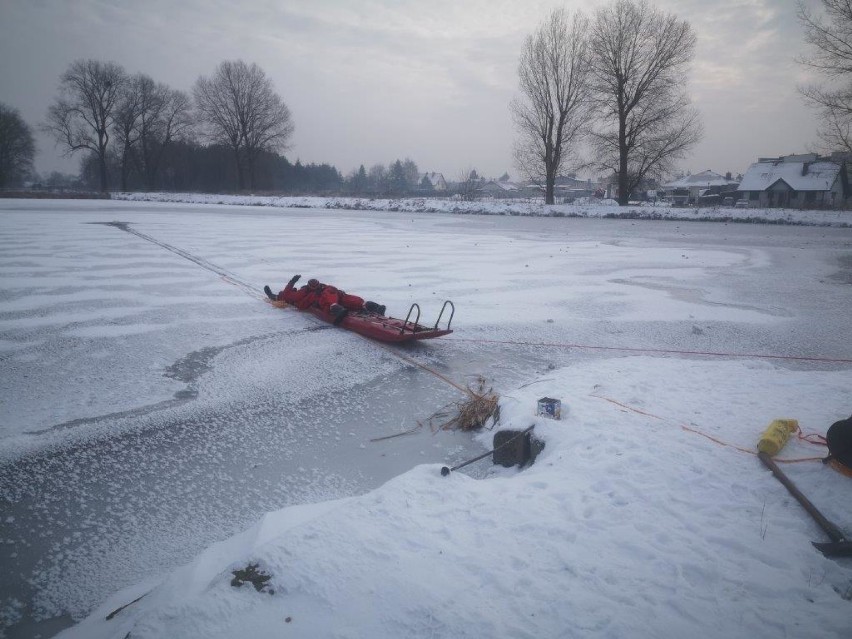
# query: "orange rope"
629,349
405,358
820,440
719,441
705,435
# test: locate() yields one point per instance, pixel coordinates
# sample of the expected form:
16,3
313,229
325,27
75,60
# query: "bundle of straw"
470,413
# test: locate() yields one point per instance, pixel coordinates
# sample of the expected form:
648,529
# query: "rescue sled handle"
441,314
415,323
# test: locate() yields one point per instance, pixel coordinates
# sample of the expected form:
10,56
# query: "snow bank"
628,525
582,208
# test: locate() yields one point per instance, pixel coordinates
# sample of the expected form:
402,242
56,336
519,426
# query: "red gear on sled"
315,293
331,295
334,306
302,297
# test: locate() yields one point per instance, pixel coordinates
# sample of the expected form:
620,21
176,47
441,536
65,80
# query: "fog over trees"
83,115
144,135
614,82
551,115
602,92
17,148
239,108
150,117
141,134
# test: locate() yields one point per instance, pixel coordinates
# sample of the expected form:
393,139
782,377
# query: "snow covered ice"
161,427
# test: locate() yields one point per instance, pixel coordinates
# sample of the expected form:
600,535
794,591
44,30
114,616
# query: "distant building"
805,181
436,180
566,188
497,188
647,189
569,187
690,189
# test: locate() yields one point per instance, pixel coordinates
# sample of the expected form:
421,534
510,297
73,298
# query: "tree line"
138,134
141,127
603,92
607,91
611,84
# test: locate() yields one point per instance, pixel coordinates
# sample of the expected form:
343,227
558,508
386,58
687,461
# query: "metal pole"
446,470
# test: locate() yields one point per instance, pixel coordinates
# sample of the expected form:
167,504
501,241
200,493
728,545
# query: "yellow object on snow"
776,435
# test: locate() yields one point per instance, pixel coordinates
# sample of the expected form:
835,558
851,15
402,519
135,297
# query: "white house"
495,188
690,187
436,180
804,181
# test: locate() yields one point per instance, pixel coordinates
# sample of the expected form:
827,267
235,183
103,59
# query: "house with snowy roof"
566,188
436,180
499,188
805,181
689,188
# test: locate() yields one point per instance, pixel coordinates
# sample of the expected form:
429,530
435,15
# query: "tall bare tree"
150,115
644,119
17,148
82,115
241,110
412,174
165,117
829,35
126,121
377,177
551,114
469,185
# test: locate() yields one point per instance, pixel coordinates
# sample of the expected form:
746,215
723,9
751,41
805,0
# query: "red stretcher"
388,329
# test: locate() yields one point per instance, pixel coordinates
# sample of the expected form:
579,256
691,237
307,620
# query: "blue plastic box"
549,407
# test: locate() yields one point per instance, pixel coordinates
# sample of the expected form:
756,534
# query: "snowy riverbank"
163,426
628,525
589,208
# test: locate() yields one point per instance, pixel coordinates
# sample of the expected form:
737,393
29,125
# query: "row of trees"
110,114
17,148
603,92
142,134
611,85
610,88
187,166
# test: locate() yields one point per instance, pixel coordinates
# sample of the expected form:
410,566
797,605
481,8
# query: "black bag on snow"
839,440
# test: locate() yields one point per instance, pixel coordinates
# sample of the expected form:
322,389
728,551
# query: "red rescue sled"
389,329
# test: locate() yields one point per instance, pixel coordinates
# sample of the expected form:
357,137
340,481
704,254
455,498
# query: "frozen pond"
150,403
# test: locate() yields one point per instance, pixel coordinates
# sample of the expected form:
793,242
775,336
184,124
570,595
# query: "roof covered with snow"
705,178
436,179
799,176
495,185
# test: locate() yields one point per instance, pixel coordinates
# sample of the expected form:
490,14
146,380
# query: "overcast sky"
370,81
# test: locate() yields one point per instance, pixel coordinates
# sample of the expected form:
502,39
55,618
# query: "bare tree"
241,110
378,178
469,185
397,183
644,120
551,114
412,174
16,147
83,114
125,124
165,117
358,180
830,38
150,115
